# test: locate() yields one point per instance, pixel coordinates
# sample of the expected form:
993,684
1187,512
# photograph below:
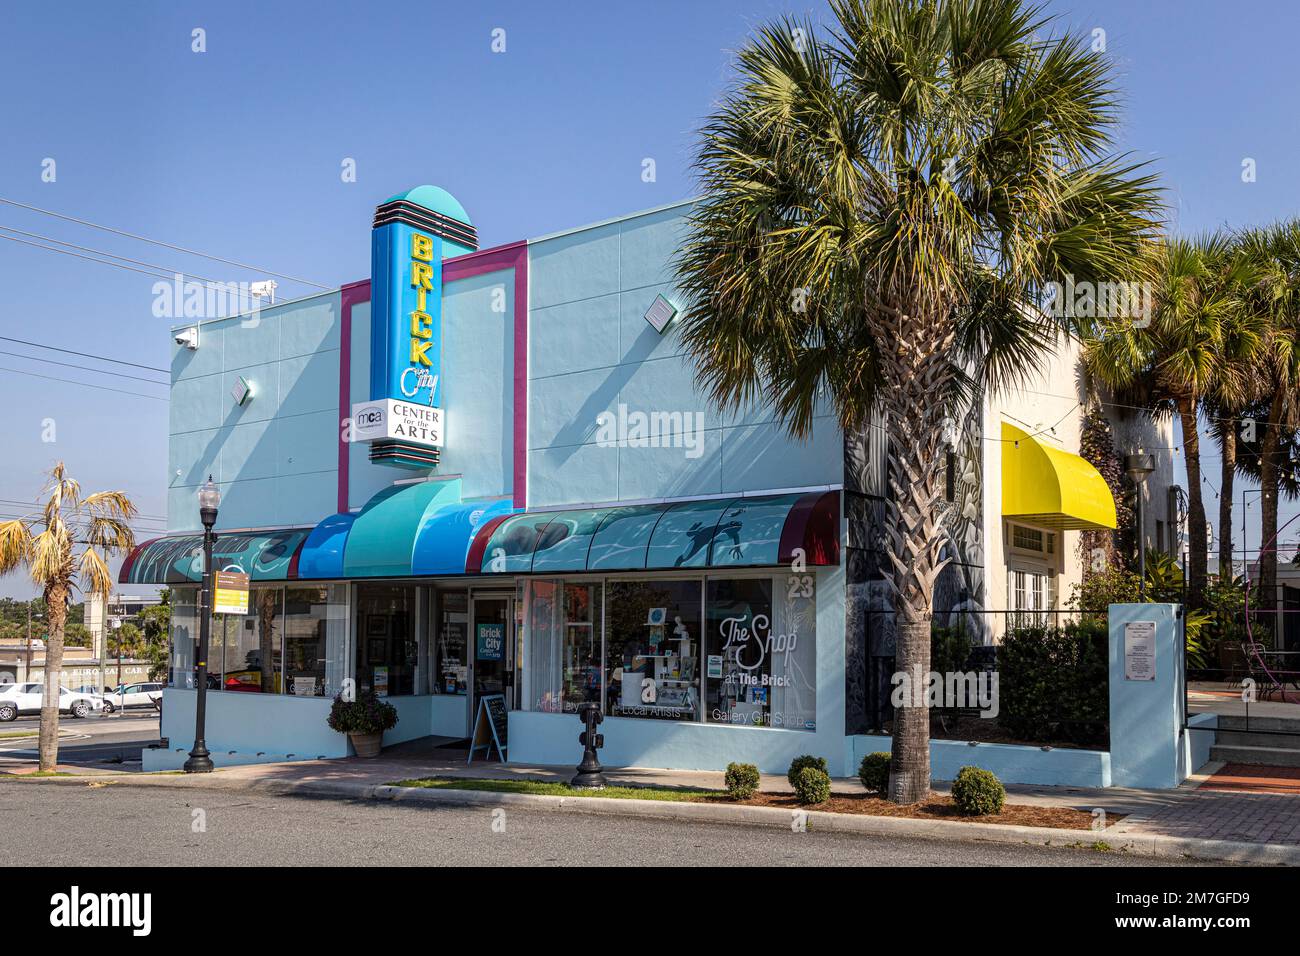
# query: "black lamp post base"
588,780
199,762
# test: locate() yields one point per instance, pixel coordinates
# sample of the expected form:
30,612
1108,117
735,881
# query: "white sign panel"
390,418
1140,650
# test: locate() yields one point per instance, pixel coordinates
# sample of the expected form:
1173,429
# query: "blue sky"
237,151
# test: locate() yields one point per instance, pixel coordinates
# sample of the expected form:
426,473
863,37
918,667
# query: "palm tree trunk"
1266,593
917,380
1198,548
1226,480
56,611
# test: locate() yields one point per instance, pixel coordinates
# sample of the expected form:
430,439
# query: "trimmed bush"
807,760
812,785
977,792
874,772
1053,683
742,780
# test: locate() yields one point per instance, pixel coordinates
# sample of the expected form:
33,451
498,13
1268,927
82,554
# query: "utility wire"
166,245
102,262
86,368
103,388
110,255
101,358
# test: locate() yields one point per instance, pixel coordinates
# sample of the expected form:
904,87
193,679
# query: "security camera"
188,337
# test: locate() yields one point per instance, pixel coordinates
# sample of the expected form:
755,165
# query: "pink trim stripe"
512,256
497,259
350,295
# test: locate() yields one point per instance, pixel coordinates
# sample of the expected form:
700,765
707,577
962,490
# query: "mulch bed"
1246,778
936,808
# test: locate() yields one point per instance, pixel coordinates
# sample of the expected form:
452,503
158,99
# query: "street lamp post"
1138,468
209,500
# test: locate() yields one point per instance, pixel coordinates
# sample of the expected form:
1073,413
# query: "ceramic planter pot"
367,745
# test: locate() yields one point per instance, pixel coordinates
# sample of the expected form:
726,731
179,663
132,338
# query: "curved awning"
1052,488
426,530
723,532
178,559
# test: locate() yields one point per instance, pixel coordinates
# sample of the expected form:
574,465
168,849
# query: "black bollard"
589,776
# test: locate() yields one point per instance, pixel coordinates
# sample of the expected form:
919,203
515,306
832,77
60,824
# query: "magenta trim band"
512,256
349,295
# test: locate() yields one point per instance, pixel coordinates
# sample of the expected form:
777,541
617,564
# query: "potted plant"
364,720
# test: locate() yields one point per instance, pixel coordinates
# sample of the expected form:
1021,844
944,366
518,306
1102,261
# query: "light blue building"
491,472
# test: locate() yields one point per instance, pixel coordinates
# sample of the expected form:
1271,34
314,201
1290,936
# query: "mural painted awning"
416,530
178,559
726,532
1049,487
426,530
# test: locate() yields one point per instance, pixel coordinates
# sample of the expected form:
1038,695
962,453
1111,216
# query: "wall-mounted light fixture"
243,391
189,338
661,312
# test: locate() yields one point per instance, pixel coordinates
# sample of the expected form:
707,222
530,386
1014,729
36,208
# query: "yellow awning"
1049,487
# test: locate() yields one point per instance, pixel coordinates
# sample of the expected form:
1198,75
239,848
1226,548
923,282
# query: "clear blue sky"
237,151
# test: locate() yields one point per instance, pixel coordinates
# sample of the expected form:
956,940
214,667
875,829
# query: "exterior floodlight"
661,312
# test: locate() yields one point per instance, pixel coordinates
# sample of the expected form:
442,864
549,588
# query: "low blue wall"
1012,763
1196,743
537,738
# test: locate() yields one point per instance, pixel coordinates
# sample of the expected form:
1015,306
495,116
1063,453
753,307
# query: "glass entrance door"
494,650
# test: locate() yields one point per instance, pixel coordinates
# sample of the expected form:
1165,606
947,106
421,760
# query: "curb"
1116,841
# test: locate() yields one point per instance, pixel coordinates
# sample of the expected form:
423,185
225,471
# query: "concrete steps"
1269,741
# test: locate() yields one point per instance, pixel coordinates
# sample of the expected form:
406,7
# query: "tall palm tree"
1275,252
65,546
1200,341
884,205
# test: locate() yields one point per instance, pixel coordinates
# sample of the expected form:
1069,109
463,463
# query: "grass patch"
47,773
11,734
556,789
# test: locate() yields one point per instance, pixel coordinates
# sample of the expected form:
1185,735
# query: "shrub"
742,780
977,792
812,785
368,714
874,772
807,760
1053,683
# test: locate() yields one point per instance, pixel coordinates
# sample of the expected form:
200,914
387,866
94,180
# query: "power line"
110,255
102,262
86,368
166,245
101,358
102,388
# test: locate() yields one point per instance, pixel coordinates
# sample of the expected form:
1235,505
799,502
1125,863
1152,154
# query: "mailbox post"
589,776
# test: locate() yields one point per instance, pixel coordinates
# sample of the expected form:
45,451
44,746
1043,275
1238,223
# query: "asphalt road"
90,741
47,823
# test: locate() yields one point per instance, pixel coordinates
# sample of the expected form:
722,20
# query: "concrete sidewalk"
1186,822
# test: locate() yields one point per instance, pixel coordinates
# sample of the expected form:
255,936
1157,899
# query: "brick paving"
1250,779
1225,815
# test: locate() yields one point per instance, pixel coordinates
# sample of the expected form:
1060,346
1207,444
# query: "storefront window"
565,654
451,646
760,665
652,649
315,630
387,648
250,654
185,635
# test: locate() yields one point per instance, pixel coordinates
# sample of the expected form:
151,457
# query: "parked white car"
135,695
18,699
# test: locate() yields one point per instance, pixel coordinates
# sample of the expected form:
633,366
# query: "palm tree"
70,539
884,206
1275,253
1200,342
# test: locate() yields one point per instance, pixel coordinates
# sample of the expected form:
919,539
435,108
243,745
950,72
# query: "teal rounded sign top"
436,200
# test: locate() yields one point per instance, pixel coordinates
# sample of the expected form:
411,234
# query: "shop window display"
652,649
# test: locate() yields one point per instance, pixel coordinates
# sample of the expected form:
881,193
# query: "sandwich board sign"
491,726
